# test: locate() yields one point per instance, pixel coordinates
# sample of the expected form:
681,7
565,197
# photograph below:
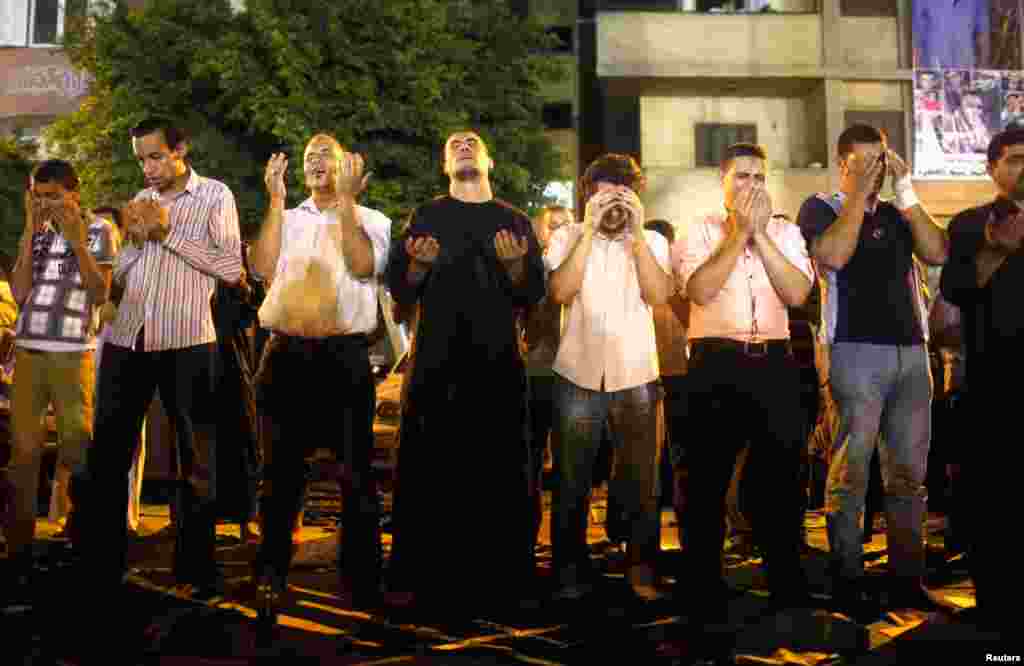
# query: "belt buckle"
755,348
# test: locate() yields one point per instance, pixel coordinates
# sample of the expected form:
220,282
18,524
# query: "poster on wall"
968,83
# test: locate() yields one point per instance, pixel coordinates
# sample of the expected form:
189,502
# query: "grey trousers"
883,389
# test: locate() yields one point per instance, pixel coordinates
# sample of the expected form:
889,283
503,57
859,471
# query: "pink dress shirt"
609,329
747,307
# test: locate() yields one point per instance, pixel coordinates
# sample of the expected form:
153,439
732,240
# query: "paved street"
165,626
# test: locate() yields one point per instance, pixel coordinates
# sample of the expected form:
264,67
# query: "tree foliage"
388,79
15,168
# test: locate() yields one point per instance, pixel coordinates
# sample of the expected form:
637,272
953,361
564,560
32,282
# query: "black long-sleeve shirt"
992,315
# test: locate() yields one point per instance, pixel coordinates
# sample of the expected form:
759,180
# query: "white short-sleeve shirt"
304,239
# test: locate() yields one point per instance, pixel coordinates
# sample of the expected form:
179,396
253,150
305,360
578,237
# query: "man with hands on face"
333,251
984,278
607,272
875,322
472,264
741,271
61,278
182,237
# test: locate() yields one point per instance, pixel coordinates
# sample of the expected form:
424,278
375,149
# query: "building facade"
674,81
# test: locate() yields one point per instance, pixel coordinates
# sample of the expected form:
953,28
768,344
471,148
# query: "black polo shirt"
872,295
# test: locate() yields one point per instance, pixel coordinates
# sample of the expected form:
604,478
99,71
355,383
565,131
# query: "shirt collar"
310,207
869,208
1003,207
193,181
620,237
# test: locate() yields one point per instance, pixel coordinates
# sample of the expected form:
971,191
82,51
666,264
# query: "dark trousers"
128,381
542,420
988,487
734,399
319,393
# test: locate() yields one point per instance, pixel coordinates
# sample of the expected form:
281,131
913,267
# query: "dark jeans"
319,393
632,417
734,399
128,381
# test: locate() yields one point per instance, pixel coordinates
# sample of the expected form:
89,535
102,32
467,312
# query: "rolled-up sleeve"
559,246
691,252
378,229
794,248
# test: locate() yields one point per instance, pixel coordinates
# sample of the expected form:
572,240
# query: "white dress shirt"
305,240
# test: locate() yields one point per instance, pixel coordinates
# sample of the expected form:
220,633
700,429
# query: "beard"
467,175
615,220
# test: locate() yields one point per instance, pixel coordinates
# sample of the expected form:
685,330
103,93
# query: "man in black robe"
462,514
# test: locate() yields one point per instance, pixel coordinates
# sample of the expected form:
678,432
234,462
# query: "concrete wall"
789,128
667,44
870,44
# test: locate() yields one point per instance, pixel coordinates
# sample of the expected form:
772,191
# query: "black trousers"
313,393
736,398
128,381
542,420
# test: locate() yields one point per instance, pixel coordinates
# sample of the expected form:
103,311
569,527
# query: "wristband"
905,195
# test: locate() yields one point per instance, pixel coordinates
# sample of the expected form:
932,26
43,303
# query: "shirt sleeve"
814,218
127,257
959,281
397,271
794,248
220,253
378,228
104,244
659,248
559,246
691,252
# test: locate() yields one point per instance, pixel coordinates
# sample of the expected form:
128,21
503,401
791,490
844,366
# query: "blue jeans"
632,418
887,390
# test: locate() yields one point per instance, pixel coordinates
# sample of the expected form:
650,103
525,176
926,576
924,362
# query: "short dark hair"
663,227
612,168
1011,136
741,150
173,133
56,171
859,133
114,213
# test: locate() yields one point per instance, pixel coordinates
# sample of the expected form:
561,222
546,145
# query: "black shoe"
913,597
849,599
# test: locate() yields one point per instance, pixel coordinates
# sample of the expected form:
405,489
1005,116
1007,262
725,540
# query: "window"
713,138
35,22
867,8
558,115
563,35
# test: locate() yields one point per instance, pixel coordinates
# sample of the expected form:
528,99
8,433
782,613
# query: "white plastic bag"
303,296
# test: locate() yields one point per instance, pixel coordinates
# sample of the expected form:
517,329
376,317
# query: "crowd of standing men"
522,330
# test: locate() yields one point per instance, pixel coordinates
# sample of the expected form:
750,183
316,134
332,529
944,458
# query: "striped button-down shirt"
168,285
